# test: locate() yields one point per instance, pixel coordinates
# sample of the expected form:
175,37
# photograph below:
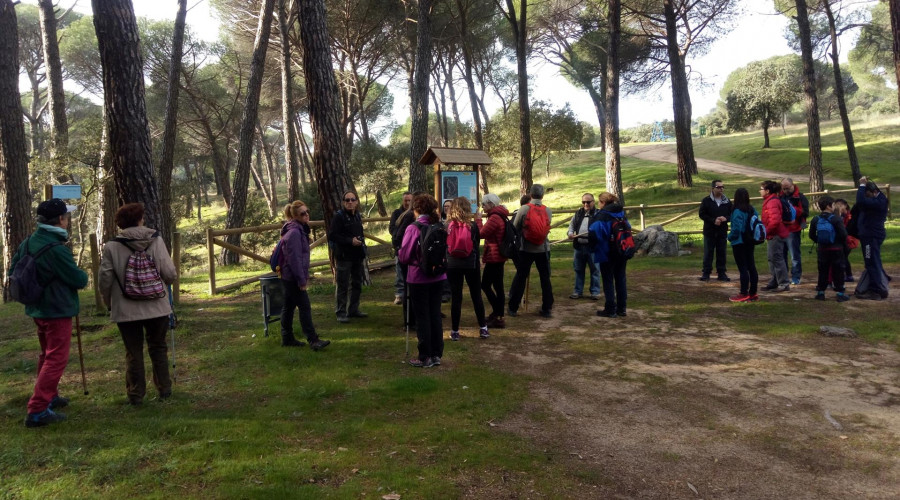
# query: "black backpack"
509,245
24,286
432,249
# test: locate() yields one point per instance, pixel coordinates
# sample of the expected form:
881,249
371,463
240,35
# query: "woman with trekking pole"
134,272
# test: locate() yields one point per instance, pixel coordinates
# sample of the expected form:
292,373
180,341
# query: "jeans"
492,285
831,268
718,244
55,337
133,333
746,264
400,280
792,247
473,279
295,298
426,305
615,287
777,264
871,250
584,256
349,276
523,269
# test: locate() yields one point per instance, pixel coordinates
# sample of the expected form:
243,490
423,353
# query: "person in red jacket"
776,234
492,280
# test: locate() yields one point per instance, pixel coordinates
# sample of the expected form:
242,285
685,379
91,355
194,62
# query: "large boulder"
654,241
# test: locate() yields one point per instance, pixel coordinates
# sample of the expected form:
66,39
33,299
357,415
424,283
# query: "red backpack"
536,225
459,240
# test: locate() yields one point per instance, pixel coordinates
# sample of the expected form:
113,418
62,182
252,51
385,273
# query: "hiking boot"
785,288
428,363
575,296
398,300
545,314
416,362
358,314
820,296
621,313
595,297
320,344
498,322
770,286
288,340
741,297
705,277
43,418
483,333
58,402
842,297
454,335
135,401
436,360
343,319
606,314
164,395
513,313
723,277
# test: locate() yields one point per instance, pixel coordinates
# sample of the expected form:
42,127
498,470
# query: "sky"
759,34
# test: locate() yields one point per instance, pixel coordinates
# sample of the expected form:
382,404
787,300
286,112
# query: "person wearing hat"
62,278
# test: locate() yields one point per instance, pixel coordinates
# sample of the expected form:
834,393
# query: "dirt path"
646,407
665,152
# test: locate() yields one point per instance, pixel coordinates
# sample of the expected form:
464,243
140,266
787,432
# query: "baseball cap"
54,208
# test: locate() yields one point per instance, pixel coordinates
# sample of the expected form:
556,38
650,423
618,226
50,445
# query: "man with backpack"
715,211
792,194
532,222
46,279
827,230
584,255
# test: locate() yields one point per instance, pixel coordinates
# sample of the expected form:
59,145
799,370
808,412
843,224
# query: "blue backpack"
755,232
24,286
788,212
275,259
825,230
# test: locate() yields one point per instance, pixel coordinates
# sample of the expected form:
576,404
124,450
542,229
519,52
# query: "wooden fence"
381,253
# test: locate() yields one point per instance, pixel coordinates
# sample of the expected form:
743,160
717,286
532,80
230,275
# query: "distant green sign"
702,130
67,191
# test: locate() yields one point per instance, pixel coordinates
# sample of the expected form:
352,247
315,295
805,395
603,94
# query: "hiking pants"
426,306
541,261
55,337
295,298
492,285
473,279
746,264
133,334
831,268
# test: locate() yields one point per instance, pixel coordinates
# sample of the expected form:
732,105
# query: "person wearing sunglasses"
715,211
346,237
584,255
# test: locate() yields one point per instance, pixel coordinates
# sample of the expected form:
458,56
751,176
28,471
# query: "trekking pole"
407,302
527,286
173,320
80,353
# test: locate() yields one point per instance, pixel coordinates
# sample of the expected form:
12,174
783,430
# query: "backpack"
459,240
536,225
788,212
509,245
621,238
142,280
23,283
755,231
275,259
825,230
432,249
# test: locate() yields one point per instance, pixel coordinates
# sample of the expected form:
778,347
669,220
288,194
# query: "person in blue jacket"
872,213
743,250
612,265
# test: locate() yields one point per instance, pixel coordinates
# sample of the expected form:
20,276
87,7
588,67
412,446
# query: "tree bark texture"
812,103
518,25
15,196
613,158
59,127
839,94
681,100
894,7
108,202
292,166
418,142
167,163
239,191
126,113
333,177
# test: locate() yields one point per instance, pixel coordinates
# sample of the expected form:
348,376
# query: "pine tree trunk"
239,194
15,196
681,101
613,158
321,87
518,25
108,200
894,8
292,166
468,77
766,122
419,132
812,104
126,114
597,99
379,204
59,127
839,93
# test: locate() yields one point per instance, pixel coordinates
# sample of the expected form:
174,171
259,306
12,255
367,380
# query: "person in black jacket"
400,279
715,210
830,253
346,237
584,252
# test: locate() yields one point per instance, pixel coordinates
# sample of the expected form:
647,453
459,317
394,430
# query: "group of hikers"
438,249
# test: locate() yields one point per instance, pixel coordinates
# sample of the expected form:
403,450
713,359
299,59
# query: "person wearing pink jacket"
777,234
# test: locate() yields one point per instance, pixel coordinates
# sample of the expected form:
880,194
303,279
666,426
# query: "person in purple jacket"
424,291
294,263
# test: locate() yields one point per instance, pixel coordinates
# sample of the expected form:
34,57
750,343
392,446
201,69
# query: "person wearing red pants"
53,313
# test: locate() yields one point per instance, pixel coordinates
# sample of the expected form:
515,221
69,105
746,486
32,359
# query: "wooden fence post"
887,194
211,248
95,272
176,259
642,217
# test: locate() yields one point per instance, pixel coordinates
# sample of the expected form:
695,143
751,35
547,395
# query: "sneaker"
436,360
358,314
320,344
291,342
820,296
741,297
343,319
723,277
705,277
753,298
418,363
595,297
545,314
795,282
513,313
575,296
841,297
785,288
454,335
428,363
58,402
43,418
497,323
483,333
606,314
621,313
770,286
398,300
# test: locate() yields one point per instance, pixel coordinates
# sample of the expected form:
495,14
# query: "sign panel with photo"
456,184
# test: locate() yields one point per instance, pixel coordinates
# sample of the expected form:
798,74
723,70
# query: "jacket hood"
615,209
292,224
499,210
139,237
